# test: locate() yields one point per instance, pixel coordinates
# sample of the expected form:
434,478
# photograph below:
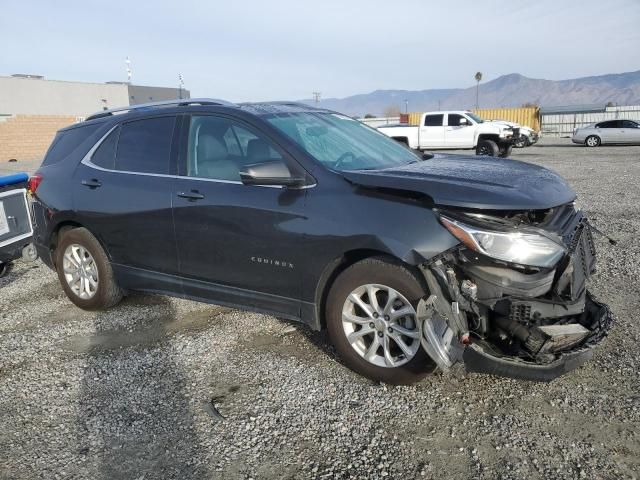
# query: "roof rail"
167,103
282,102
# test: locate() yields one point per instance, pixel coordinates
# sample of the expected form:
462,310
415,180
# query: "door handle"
192,195
93,183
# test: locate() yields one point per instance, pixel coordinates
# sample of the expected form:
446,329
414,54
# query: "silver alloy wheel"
381,325
592,141
80,271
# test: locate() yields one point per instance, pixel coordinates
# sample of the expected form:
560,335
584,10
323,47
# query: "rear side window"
433,120
105,154
66,142
145,145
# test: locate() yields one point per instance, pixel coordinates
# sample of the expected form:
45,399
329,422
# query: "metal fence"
561,124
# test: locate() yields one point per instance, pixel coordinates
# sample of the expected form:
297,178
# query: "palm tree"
478,78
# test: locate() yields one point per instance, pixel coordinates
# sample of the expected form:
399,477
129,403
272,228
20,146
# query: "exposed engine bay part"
523,321
481,357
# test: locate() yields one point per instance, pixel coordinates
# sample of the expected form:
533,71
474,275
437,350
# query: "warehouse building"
33,108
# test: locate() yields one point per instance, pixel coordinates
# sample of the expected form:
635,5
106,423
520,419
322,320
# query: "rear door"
432,131
609,131
240,244
123,191
457,135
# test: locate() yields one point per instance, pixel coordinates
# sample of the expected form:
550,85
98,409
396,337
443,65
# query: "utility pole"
316,96
180,85
406,106
478,78
129,72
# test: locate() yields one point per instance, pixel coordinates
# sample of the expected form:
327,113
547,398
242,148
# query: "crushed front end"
511,299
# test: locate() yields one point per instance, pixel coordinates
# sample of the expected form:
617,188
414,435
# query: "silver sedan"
609,132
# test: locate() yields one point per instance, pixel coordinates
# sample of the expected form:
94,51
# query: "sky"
251,50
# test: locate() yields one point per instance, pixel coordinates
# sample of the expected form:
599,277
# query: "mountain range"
511,90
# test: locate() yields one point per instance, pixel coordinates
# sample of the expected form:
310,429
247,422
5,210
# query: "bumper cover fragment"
597,318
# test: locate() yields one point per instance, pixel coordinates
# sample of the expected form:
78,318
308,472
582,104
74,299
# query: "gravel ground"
128,393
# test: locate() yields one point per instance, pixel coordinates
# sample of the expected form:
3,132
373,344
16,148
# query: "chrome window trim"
86,160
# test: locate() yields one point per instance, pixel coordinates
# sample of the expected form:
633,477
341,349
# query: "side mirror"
273,172
463,122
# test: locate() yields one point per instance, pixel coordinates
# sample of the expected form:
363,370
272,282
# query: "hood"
504,122
473,182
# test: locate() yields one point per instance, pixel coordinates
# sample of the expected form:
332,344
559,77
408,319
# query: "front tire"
522,142
372,322
505,151
487,148
85,272
592,141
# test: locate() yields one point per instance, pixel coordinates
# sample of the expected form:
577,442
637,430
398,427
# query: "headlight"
524,248
506,133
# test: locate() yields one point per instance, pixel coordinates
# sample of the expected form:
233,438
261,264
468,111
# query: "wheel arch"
339,264
64,226
488,136
404,140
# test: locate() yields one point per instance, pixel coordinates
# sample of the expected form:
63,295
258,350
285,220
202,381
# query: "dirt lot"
125,394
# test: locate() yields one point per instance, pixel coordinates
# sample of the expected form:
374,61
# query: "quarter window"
219,148
145,145
433,120
105,154
67,142
610,124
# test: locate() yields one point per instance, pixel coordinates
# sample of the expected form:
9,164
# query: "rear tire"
4,268
386,280
85,272
592,141
505,151
487,148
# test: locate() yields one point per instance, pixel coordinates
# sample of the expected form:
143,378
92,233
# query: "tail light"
34,183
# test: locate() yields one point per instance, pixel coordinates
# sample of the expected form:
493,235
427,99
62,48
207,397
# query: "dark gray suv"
410,262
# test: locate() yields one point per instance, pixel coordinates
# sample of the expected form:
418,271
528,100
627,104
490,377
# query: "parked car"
455,130
309,215
528,136
607,133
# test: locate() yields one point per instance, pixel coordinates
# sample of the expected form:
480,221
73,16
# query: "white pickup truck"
455,130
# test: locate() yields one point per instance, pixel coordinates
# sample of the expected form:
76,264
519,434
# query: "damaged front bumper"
511,320
481,358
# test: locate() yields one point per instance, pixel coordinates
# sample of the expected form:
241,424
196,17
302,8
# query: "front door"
629,132
237,243
122,194
458,135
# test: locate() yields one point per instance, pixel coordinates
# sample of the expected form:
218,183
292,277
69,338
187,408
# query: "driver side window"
453,119
219,148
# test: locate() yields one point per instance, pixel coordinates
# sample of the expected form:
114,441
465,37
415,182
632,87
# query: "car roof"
256,108
196,104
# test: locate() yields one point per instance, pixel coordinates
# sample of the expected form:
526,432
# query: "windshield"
474,117
341,143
